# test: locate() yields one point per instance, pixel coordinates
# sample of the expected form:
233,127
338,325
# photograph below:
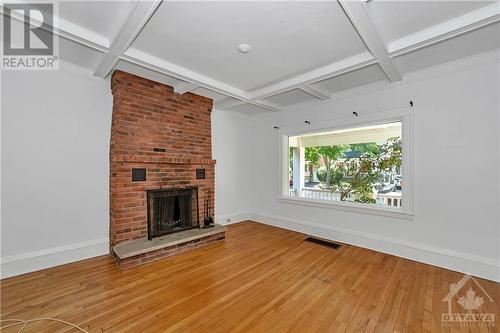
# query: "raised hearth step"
142,246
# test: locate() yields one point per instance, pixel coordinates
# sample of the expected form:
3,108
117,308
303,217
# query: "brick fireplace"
160,140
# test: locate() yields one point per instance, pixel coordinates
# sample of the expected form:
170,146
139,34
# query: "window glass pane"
360,165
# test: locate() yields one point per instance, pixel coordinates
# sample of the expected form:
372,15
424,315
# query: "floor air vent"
323,242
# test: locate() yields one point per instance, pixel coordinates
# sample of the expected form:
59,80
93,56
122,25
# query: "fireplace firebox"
172,210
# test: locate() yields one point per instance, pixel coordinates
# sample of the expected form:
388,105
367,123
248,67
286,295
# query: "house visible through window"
358,165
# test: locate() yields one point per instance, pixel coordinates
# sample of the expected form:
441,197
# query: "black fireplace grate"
171,210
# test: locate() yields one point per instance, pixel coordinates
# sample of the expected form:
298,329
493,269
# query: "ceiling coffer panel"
480,40
150,74
68,51
398,19
215,96
249,109
99,18
227,103
79,55
359,77
290,97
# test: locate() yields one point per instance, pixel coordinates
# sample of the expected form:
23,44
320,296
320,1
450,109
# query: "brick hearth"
166,133
131,254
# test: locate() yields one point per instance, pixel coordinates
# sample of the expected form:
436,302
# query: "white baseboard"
483,267
37,260
232,218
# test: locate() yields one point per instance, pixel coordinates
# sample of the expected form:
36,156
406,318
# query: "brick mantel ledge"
122,158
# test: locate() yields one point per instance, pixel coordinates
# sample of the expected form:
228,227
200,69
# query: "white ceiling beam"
67,30
316,92
338,68
229,103
266,105
446,30
185,87
161,66
357,14
133,25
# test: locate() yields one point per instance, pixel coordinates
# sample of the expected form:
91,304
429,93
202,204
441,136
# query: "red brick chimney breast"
166,133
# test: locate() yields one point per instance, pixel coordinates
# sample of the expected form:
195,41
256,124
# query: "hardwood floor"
261,279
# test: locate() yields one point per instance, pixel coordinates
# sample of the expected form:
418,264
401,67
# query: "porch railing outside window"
387,199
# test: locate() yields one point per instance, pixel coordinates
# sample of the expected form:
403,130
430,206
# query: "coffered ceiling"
300,51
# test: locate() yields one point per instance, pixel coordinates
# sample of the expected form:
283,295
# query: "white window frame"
403,115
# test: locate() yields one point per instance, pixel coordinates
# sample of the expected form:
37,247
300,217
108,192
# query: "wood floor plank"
260,279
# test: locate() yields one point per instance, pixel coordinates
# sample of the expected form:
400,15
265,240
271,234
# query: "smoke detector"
243,48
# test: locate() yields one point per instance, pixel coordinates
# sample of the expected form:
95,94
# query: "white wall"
231,145
55,145
456,169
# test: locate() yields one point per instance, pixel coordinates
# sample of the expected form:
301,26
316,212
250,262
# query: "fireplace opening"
172,210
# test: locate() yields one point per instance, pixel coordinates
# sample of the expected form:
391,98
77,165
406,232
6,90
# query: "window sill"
349,207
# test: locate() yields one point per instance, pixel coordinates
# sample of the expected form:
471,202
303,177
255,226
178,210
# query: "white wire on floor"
25,323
